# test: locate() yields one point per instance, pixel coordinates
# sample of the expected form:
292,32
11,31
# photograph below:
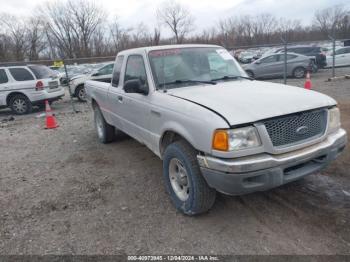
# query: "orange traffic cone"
50,118
308,83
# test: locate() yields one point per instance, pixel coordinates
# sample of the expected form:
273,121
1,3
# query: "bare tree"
263,27
15,30
177,17
288,28
59,27
328,20
99,42
156,36
35,37
141,35
71,24
120,36
86,17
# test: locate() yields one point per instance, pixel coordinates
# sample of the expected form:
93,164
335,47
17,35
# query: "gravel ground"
61,192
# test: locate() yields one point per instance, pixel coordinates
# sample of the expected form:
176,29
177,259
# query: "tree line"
80,28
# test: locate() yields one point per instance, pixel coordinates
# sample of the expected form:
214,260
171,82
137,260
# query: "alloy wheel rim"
179,180
299,73
20,105
82,94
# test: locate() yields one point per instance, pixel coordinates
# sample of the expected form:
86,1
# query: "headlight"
236,139
334,120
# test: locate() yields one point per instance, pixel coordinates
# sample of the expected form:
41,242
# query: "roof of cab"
163,47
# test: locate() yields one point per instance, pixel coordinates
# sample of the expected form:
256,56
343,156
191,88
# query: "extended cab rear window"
21,74
117,69
41,72
3,77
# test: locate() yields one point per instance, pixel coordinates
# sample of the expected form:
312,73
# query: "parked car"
342,57
273,66
247,57
312,51
22,87
214,128
103,74
73,71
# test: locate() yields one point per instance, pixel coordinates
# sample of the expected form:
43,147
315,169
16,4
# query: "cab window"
135,69
3,77
117,69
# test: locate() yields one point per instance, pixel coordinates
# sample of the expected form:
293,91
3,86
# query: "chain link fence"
325,55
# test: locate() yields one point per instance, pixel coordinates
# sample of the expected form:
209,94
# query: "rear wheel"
105,132
20,104
188,189
299,72
80,93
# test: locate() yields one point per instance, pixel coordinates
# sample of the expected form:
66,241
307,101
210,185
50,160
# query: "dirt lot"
61,192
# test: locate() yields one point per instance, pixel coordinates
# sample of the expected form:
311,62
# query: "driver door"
269,66
134,108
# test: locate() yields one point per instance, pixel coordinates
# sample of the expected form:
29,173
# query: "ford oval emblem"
302,130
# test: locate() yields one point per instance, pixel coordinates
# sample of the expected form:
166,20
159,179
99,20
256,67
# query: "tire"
105,132
20,104
80,93
299,72
185,184
250,73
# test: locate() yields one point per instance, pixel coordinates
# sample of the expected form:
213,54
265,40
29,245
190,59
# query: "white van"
22,87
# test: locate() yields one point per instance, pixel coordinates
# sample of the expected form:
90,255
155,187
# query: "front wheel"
80,93
188,189
105,132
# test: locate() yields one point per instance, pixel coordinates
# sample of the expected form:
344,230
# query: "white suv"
22,87
103,74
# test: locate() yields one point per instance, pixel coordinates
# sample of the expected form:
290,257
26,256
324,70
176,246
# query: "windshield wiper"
186,81
231,77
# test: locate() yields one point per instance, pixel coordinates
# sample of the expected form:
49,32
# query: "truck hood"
245,101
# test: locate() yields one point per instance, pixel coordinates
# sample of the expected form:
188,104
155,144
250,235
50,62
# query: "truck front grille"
296,128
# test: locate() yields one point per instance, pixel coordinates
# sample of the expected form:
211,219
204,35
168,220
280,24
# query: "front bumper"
264,171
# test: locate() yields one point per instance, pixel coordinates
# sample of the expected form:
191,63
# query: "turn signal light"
220,140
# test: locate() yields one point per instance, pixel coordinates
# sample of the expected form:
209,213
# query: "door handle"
156,113
120,99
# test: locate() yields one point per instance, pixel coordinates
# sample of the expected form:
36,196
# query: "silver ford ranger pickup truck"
215,128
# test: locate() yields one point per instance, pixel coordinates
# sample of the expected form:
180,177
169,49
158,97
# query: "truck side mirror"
258,62
135,86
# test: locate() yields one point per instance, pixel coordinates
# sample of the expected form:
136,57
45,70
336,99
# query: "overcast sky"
206,12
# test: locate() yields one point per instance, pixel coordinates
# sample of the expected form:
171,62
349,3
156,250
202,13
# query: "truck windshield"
179,67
